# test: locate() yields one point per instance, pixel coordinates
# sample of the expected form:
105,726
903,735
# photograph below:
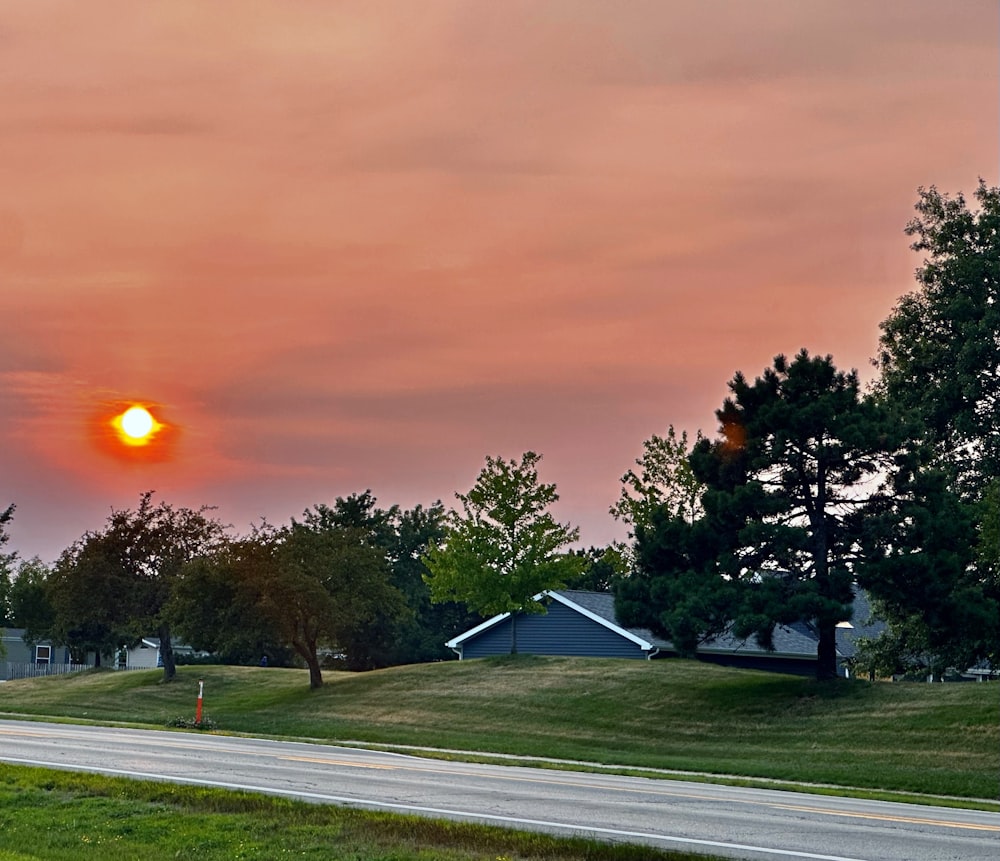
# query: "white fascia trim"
455,642
645,645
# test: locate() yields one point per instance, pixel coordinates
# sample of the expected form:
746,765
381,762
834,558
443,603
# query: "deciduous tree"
403,536
939,352
664,480
504,546
326,586
939,361
30,607
112,586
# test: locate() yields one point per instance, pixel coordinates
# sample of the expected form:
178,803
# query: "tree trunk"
167,653
826,652
315,674
513,633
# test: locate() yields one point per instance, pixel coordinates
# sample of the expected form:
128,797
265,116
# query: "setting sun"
137,422
136,425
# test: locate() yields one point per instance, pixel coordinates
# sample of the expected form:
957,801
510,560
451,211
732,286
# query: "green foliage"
602,568
504,547
665,480
30,607
939,360
939,352
327,586
216,604
403,536
6,564
309,587
675,588
111,587
924,577
790,480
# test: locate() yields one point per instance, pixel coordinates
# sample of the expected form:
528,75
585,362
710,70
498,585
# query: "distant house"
145,655
19,659
584,624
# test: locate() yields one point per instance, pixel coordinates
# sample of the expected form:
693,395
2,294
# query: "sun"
137,422
136,426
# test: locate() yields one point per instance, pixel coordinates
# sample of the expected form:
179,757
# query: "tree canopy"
112,586
504,547
789,480
938,575
939,352
665,480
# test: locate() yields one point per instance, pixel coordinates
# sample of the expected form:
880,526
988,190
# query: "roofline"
645,645
455,643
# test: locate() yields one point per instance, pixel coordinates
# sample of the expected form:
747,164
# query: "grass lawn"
61,816
939,739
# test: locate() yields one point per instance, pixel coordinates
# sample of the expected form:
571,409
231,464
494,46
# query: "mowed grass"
61,816
939,739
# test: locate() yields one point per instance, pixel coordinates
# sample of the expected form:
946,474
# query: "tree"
939,360
676,587
112,586
504,547
928,570
6,564
665,480
6,582
602,568
312,589
789,481
327,585
403,536
216,603
30,607
939,352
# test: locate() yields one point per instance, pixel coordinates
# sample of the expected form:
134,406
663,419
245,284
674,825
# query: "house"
19,659
584,624
579,624
145,655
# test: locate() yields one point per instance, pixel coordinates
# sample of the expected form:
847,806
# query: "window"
43,654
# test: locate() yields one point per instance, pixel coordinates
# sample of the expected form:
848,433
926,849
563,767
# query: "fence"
30,671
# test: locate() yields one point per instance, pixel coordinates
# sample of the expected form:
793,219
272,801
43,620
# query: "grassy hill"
937,739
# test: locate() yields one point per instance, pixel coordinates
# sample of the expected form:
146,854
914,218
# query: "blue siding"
561,631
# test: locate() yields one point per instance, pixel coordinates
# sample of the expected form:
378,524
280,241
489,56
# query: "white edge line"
492,817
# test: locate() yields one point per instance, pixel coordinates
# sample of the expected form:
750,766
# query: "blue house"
584,624
20,659
577,624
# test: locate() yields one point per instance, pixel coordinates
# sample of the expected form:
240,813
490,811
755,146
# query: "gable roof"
599,607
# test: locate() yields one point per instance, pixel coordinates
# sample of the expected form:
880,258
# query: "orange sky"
339,246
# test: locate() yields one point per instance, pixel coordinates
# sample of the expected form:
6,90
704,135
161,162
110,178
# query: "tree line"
811,489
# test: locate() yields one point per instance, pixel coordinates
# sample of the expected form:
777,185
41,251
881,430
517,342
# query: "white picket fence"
30,670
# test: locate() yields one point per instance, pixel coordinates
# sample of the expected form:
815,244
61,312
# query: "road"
764,825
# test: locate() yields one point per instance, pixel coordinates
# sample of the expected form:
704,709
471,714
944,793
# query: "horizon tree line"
811,489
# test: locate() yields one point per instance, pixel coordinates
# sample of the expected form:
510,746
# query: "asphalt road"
720,820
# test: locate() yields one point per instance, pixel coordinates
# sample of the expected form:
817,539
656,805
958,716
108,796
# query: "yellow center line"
335,762
881,817
910,820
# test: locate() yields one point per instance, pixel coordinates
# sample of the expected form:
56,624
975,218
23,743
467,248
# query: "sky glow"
346,246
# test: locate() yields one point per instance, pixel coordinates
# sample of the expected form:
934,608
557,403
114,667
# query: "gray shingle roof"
797,640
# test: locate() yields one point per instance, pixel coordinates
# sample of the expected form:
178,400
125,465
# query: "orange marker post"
201,691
